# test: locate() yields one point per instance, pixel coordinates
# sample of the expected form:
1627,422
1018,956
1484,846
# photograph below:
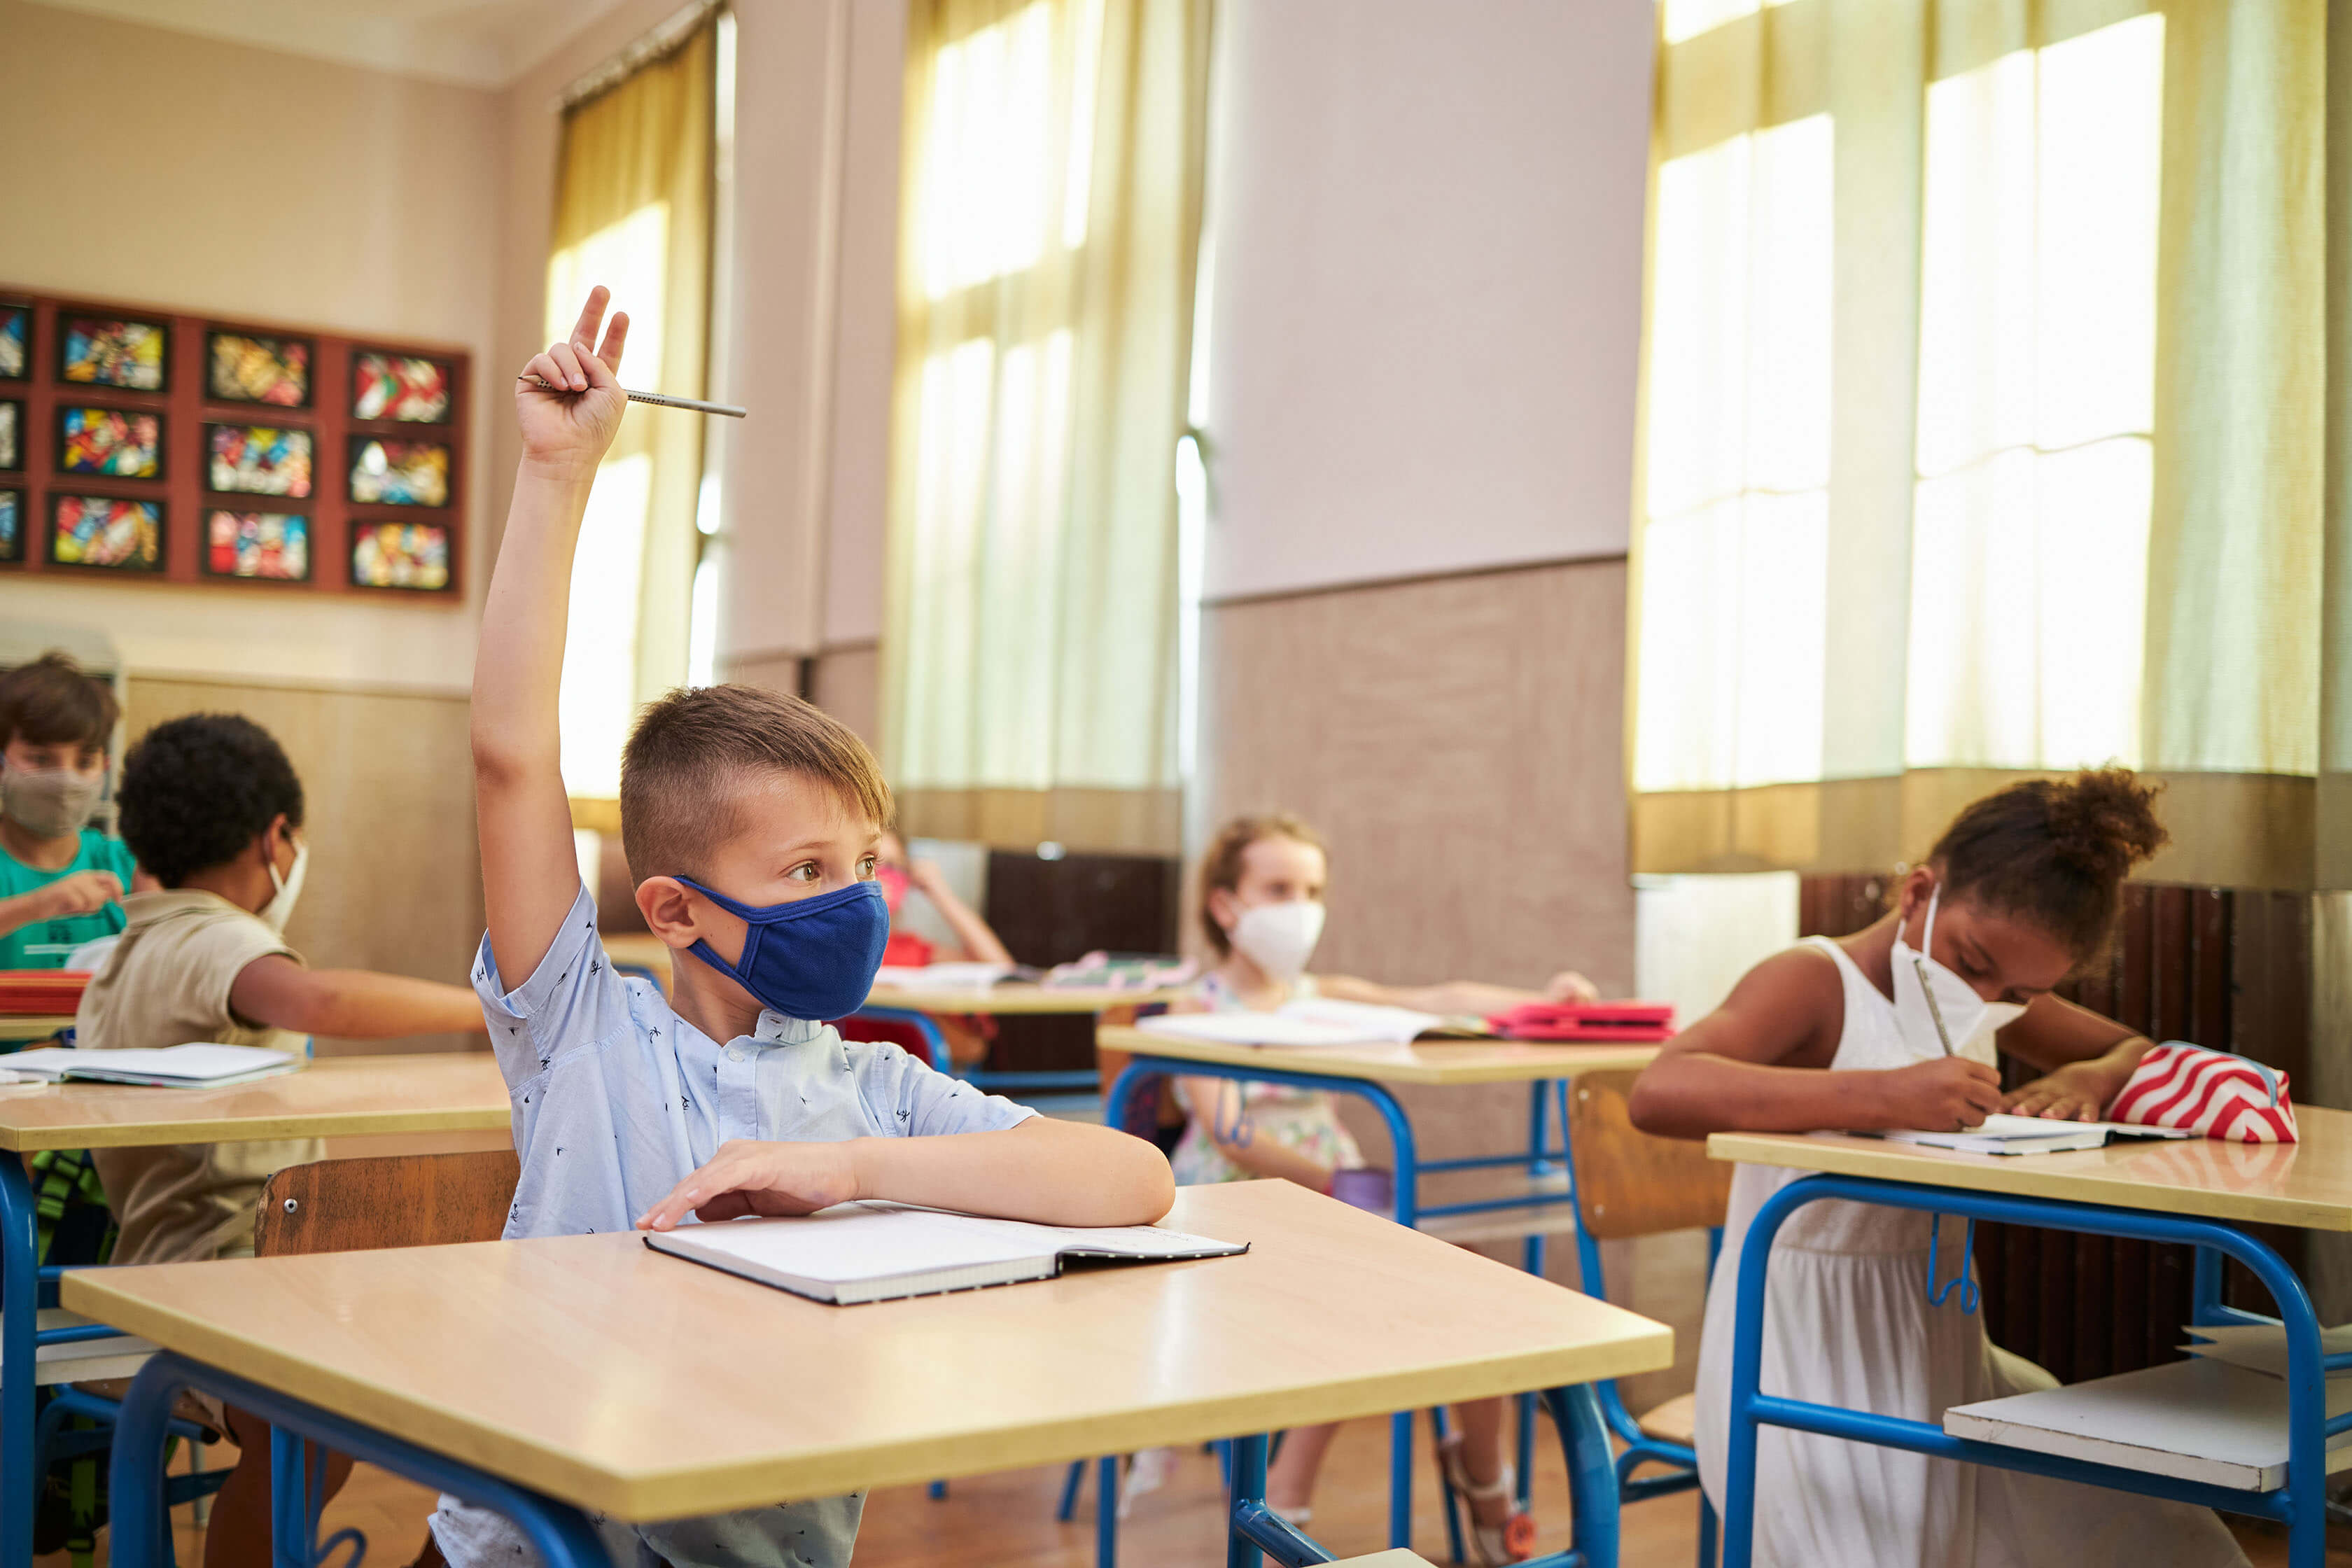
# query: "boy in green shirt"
61,881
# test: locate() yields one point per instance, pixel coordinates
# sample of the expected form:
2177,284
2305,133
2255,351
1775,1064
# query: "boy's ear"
668,912
1223,907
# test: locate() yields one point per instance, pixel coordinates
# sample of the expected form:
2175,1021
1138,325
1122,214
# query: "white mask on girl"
280,908
1970,1020
1279,938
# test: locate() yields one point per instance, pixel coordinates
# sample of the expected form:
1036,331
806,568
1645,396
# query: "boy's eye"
805,871
866,868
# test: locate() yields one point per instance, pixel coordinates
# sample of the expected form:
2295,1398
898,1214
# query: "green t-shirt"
44,944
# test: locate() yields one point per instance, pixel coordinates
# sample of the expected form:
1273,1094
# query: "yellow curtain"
1049,233
633,212
1985,427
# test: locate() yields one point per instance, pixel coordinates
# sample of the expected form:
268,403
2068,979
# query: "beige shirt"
167,983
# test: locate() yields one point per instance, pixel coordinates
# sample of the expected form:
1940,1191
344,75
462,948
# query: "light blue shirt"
616,1099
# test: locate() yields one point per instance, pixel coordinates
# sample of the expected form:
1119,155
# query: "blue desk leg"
20,1293
1592,1491
559,1532
1106,1511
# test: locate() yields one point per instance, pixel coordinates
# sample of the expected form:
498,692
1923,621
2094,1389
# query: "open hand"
568,424
2076,1093
746,1176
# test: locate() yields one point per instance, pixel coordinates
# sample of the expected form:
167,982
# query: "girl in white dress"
1842,1035
1262,884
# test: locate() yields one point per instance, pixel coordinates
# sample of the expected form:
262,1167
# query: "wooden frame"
187,409
101,316
212,382
206,547
161,448
212,476
450,371
60,499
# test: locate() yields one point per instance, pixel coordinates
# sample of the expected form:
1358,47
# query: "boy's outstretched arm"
529,873
356,1003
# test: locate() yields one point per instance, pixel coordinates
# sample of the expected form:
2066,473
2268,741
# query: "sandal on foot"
1492,1545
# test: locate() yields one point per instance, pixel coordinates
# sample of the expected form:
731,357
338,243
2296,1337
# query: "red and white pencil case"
2210,1092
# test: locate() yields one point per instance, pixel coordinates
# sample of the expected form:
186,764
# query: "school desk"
2199,1193
333,1096
26,1029
1535,1197
649,955
539,1378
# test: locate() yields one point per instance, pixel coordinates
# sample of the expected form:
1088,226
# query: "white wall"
1427,299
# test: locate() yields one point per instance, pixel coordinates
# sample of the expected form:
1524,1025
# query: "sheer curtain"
1983,425
1049,239
633,212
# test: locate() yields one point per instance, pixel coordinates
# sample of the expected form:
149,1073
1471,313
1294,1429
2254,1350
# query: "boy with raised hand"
751,824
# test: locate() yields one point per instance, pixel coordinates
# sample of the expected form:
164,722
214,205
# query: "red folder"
1586,1021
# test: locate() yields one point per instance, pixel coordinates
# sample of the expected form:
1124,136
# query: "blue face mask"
811,959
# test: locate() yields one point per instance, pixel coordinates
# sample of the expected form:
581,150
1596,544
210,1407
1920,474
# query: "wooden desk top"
625,1380
1012,1000
2307,1184
1426,1061
1004,1001
337,1096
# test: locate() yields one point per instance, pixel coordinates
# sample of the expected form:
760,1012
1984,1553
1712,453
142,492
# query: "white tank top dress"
1847,1322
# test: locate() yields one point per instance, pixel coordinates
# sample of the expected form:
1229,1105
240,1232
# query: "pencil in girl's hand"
659,399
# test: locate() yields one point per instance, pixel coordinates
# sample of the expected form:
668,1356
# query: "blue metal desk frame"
2300,1505
1545,1098
563,1537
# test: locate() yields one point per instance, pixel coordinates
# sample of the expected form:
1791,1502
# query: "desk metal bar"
20,1283
558,1532
2301,1504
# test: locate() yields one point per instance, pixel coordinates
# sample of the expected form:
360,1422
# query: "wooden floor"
1009,1519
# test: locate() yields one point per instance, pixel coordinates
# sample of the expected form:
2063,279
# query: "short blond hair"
1221,863
691,753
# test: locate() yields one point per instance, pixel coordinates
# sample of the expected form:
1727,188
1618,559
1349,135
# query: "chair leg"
1070,1485
939,1490
1705,1533
1106,1511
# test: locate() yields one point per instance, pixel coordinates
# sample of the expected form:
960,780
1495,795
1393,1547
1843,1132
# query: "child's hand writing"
746,1176
1947,1094
568,424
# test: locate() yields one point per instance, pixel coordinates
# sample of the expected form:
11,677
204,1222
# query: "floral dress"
1305,1120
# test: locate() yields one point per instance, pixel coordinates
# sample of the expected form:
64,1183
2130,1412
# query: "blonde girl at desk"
1262,883
2021,890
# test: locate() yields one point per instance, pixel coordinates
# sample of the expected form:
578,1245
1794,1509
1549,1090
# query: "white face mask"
49,802
1279,938
1970,1020
280,908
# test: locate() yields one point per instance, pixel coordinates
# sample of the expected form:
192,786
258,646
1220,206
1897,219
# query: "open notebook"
198,1065
2031,1135
859,1252
1314,1021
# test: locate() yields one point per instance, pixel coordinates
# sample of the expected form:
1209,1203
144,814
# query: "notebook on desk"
195,1066
860,1252
2030,1135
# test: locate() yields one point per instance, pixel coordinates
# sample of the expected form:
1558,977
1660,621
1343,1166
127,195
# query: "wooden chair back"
1628,1183
403,1200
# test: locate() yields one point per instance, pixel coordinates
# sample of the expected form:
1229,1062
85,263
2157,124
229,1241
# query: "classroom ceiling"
472,42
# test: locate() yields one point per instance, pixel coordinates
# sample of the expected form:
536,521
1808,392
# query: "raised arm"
978,940
1759,1064
529,876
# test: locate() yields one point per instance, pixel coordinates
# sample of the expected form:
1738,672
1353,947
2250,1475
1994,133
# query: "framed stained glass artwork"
12,525
412,390
113,351
105,533
249,367
12,432
411,555
116,443
258,461
261,546
15,342
385,472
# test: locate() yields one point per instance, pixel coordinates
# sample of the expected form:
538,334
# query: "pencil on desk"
659,399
